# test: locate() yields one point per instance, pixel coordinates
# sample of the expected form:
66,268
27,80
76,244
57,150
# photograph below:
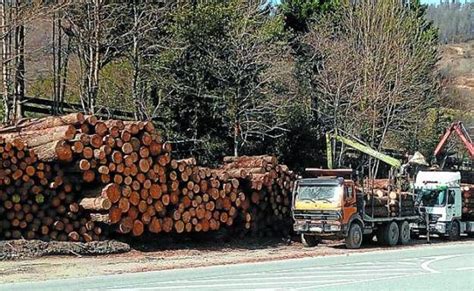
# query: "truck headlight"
440,227
335,227
332,227
315,228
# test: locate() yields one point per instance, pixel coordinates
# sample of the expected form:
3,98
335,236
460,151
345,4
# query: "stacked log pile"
267,187
467,191
382,200
77,178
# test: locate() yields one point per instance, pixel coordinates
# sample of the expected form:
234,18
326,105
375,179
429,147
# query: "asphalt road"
440,267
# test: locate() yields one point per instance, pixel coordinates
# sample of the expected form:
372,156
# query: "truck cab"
439,195
326,207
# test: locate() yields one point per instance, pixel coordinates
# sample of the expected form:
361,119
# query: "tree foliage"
226,81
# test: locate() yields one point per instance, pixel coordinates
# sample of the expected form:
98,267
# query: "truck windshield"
432,197
329,193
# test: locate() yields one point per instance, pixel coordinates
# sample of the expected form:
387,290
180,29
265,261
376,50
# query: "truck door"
457,212
349,202
451,205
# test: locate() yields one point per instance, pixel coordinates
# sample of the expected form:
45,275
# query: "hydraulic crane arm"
360,147
461,131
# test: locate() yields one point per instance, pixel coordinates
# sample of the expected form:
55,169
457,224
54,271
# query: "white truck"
439,197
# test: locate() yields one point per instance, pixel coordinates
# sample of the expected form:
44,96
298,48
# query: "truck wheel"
309,240
391,234
404,236
454,233
354,237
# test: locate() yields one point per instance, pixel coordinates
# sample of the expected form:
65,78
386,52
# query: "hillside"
457,66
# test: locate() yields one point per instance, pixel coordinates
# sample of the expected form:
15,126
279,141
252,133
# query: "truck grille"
317,214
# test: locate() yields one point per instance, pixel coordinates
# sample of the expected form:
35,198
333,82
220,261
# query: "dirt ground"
150,257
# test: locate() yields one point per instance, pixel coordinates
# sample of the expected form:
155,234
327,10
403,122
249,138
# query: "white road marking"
335,269
408,263
425,265
465,269
342,274
359,281
311,270
338,272
236,285
283,279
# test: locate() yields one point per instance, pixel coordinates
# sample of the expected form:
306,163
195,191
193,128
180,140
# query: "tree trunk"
94,89
236,139
136,67
5,61
20,71
64,68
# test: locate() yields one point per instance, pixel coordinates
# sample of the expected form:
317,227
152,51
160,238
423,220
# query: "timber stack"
467,191
267,187
382,199
77,178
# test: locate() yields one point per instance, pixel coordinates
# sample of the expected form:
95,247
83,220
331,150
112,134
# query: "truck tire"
309,240
404,236
354,236
391,233
454,232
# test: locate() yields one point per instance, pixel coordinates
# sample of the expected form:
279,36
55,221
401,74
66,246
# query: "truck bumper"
439,228
434,228
323,228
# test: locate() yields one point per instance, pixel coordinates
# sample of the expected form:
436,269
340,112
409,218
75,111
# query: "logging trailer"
331,207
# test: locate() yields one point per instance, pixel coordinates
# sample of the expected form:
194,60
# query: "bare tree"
5,61
16,15
96,28
248,65
61,52
19,83
376,75
146,41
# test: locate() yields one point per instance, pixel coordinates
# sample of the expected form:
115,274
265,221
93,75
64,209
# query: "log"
39,137
53,151
98,217
98,204
137,228
46,122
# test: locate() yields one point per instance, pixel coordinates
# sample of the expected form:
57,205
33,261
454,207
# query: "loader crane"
463,135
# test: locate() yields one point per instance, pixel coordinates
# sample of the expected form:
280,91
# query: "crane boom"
395,163
461,131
